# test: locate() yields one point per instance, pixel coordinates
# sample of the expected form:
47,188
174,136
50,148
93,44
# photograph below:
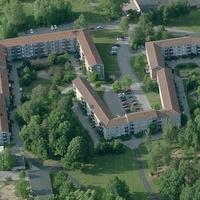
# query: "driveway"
124,61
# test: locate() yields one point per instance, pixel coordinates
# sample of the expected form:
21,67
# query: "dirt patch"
43,74
7,191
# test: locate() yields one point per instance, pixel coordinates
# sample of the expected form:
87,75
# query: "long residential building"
4,102
78,42
132,123
74,41
146,5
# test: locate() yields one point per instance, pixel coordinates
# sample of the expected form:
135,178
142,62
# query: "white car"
55,27
31,31
52,27
100,27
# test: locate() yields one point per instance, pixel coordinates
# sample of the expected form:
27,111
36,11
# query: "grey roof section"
145,5
40,182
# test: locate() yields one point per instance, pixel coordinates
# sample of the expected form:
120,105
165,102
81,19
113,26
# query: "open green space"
38,81
91,13
188,23
104,40
102,168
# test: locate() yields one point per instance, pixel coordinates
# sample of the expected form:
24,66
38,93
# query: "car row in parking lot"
127,100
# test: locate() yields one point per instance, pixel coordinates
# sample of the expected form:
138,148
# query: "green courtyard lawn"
104,39
154,98
102,168
38,81
188,23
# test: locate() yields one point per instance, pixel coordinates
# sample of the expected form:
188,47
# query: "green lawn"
103,40
154,98
38,81
188,23
102,168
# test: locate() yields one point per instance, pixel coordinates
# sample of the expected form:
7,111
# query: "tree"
161,33
62,59
46,12
22,174
127,81
52,59
124,25
172,182
80,22
147,141
155,106
78,152
21,189
116,188
133,108
93,77
82,195
7,161
170,133
137,36
117,86
111,8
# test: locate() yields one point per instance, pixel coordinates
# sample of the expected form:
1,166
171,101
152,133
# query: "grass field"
188,23
102,168
103,40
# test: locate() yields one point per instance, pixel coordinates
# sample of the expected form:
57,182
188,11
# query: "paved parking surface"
112,100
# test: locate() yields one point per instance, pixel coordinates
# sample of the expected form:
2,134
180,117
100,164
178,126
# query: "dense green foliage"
21,187
114,147
182,172
7,161
116,189
48,123
78,152
64,189
145,32
174,10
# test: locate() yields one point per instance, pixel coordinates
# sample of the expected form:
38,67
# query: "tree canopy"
7,161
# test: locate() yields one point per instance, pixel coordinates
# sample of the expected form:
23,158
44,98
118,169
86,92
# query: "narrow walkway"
143,176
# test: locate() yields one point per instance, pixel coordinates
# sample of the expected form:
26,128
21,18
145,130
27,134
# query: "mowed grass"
38,81
188,23
102,168
154,98
104,39
92,13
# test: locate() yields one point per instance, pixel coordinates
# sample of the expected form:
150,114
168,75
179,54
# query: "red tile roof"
4,85
3,114
167,89
91,97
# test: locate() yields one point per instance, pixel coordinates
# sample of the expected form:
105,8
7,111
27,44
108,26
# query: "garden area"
104,40
96,174
150,87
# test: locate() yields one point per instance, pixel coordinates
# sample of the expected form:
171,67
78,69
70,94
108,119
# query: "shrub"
138,135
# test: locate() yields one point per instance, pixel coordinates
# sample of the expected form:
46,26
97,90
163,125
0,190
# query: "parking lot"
121,102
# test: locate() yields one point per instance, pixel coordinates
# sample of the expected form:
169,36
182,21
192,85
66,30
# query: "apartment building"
146,5
131,123
74,41
158,51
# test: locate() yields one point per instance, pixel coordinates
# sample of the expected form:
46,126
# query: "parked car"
55,27
100,27
52,27
128,91
121,94
31,31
